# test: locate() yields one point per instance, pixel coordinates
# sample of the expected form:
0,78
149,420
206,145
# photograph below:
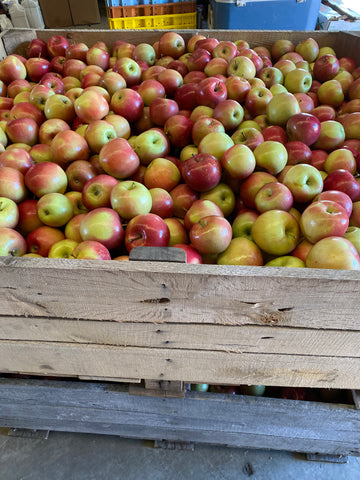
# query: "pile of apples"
237,155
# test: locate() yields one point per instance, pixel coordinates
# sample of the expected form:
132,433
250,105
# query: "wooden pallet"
210,418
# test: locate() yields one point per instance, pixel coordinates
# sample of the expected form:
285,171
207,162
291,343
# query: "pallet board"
220,419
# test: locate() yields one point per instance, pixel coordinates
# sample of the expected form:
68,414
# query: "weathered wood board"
237,421
196,323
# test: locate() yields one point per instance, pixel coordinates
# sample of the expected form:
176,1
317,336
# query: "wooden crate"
194,323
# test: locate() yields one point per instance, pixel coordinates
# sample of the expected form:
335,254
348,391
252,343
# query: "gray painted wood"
242,421
158,254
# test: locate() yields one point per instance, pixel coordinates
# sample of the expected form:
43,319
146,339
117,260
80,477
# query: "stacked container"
151,14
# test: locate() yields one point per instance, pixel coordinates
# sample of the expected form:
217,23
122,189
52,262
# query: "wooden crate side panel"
207,418
42,358
344,43
172,293
223,338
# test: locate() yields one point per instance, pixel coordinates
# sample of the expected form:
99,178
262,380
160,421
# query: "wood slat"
207,418
237,339
186,365
166,293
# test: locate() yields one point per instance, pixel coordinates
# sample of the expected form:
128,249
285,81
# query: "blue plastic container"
263,14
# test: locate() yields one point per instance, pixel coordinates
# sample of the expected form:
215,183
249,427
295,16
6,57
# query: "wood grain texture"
193,366
194,323
223,338
166,293
207,418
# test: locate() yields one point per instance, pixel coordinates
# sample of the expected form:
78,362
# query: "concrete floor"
66,456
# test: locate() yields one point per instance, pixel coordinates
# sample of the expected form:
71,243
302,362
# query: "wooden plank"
167,293
3,53
251,422
109,379
256,38
159,388
46,358
15,41
224,338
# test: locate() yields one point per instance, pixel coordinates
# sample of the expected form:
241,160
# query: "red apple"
343,181
298,152
273,196
12,243
192,255
36,48
161,109
102,225
171,43
96,192
28,217
201,172
256,100
211,235
304,181
59,107
68,146
46,177
118,159
57,45
148,230
252,185
151,144
183,197
336,196
241,251
325,68
17,158
91,250
276,232
333,253
12,68
239,161
127,103
251,137
91,106
199,209
211,91
178,129
42,239
237,88
303,127
322,219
